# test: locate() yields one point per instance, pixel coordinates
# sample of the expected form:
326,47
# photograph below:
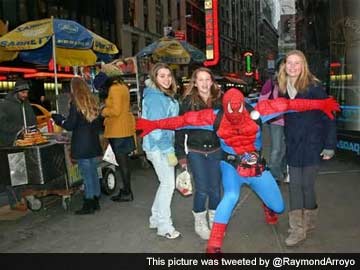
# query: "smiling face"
294,66
164,78
203,82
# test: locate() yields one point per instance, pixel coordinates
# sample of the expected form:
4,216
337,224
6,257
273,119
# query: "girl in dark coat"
84,122
310,136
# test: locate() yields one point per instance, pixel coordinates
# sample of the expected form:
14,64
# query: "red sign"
180,35
212,33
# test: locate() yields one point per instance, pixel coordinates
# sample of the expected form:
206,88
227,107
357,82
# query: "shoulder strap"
217,121
271,96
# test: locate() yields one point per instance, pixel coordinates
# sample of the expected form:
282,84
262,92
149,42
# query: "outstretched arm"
193,118
283,105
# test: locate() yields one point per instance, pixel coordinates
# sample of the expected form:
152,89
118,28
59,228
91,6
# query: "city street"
123,227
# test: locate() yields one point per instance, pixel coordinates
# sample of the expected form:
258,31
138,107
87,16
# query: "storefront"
345,71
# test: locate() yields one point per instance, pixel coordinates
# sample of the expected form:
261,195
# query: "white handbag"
183,183
109,155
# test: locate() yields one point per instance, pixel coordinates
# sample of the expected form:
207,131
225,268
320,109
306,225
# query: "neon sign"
248,63
211,33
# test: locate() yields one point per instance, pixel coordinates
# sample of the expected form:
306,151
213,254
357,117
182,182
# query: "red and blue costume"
240,138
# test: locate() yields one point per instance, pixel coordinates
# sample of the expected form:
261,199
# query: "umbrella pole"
138,93
55,67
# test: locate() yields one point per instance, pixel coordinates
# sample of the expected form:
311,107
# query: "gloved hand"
327,153
172,160
146,126
58,118
183,163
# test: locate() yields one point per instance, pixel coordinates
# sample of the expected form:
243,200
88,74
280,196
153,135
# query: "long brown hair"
305,78
192,89
171,91
85,101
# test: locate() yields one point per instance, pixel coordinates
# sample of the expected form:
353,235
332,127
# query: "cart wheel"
108,182
34,204
66,203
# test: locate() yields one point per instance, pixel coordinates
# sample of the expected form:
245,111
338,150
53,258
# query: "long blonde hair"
193,92
85,101
171,91
305,78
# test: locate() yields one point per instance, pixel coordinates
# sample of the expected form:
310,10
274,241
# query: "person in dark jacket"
84,122
12,110
310,137
202,150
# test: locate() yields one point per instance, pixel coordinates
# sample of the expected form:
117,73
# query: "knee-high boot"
310,217
125,194
216,238
297,228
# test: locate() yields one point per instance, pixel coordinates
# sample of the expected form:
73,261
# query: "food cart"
47,169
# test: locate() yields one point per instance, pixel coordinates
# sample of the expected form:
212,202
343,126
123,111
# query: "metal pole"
55,65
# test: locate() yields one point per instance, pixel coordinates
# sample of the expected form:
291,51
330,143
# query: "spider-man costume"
240,138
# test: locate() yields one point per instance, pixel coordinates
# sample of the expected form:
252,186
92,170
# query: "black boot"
123,196
87,208
96,203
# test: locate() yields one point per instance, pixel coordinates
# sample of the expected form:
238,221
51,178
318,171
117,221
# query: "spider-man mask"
233,106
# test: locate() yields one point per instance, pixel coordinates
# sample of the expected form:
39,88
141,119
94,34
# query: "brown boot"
297,228
310,217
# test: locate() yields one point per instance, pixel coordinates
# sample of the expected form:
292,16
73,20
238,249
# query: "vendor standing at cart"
84,122
15,113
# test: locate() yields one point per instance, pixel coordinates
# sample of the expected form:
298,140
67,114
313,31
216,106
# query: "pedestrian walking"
119,125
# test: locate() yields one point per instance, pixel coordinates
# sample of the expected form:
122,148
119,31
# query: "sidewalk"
123,227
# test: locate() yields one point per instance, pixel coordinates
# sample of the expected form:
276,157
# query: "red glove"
147,126
277,105
328,105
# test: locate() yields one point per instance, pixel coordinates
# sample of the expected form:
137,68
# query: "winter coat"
119,121
85,142
198,139
308,133
157,105
11,118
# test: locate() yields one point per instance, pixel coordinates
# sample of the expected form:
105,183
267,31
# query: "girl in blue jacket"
159,102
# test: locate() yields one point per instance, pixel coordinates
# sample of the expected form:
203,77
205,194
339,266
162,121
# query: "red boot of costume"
216,238
270,216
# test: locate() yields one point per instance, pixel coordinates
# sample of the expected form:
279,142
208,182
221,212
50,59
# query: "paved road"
123,227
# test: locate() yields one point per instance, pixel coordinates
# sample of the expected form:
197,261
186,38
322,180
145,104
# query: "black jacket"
198,139
85,142
308,133
11,118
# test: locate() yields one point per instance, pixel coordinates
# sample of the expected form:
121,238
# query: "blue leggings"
265,187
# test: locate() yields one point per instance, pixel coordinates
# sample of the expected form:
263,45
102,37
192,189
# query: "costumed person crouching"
240,138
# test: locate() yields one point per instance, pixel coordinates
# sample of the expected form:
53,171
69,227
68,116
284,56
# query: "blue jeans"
88,170
205,169
277,161
160,210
